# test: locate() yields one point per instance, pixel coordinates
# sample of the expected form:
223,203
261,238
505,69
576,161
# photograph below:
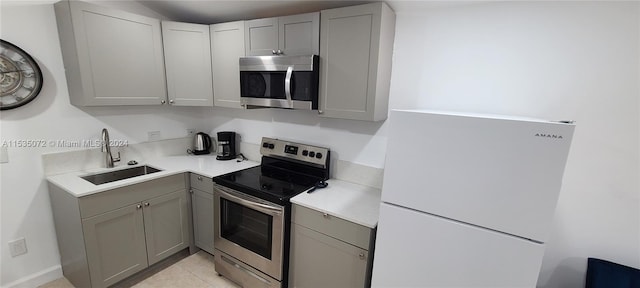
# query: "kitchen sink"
111,176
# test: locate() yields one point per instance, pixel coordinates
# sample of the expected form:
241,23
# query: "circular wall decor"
20,77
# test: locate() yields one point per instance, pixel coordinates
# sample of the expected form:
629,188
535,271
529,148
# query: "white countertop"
205,165
346,200
349,201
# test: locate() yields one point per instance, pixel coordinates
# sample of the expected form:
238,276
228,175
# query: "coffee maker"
226,145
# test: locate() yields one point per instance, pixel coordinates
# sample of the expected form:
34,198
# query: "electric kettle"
201,144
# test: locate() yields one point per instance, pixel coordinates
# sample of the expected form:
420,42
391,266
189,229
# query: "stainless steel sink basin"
111,176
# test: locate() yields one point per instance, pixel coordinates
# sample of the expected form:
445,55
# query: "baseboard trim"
37,279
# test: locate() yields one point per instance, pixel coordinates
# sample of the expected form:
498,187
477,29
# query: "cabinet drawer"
202,183
102,202
333,226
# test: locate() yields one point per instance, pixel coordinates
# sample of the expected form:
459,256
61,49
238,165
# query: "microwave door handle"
287,85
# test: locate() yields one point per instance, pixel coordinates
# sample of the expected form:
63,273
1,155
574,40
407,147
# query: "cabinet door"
202,206
118,58
166,225
357,45
227,46
318,260
261,37
115,244
187,55
299,34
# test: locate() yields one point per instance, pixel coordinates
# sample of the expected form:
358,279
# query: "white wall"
552,60
24,200
353,141
573,60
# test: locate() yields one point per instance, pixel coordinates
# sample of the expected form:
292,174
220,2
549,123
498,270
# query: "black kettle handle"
207,141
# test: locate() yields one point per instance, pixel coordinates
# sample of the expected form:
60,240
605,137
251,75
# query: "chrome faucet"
108,158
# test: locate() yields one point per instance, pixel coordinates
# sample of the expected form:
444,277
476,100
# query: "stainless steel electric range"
252,230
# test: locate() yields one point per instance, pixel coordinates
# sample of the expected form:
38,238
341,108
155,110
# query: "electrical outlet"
18,247
153,136
4,154
191,132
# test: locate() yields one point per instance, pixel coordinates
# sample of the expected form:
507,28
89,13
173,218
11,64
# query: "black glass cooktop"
269,182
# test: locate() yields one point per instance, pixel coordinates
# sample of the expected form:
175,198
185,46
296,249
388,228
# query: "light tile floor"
195,271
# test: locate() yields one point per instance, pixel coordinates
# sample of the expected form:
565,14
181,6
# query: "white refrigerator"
467,200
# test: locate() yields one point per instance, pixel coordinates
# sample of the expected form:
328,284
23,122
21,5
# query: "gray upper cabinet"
287,35
227,46
111,57
355,61
261,36
187,56
299,34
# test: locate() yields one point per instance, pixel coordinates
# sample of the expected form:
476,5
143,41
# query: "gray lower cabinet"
116,245
327,251
356,47
202,208
202,219
165,225
108,236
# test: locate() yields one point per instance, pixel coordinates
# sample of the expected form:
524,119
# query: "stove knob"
265,145
318,155
312,154
271,146
305,152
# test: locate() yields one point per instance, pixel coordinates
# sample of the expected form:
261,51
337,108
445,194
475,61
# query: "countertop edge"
332,213
71,182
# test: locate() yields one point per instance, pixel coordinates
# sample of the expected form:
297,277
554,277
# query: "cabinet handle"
163,102
146,204
274,52
320,111
191,191
361,255
171,101
325,215
138,206
279,52
199,178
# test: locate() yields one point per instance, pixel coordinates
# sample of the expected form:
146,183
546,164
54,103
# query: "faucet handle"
117,159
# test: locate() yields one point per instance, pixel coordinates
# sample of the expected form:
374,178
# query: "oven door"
249,229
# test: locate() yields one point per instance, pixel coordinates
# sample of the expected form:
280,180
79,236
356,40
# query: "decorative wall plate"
20,77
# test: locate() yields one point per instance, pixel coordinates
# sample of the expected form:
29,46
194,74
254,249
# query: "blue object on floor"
605,274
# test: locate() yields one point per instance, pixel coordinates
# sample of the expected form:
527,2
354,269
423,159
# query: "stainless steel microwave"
279,81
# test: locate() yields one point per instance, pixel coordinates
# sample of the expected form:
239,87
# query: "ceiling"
217,11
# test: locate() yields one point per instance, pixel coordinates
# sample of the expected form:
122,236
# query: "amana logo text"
553,136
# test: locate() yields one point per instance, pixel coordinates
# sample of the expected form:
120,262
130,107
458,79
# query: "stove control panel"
298,151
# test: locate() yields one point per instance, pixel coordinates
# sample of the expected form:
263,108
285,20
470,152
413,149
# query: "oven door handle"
251,204
287,85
